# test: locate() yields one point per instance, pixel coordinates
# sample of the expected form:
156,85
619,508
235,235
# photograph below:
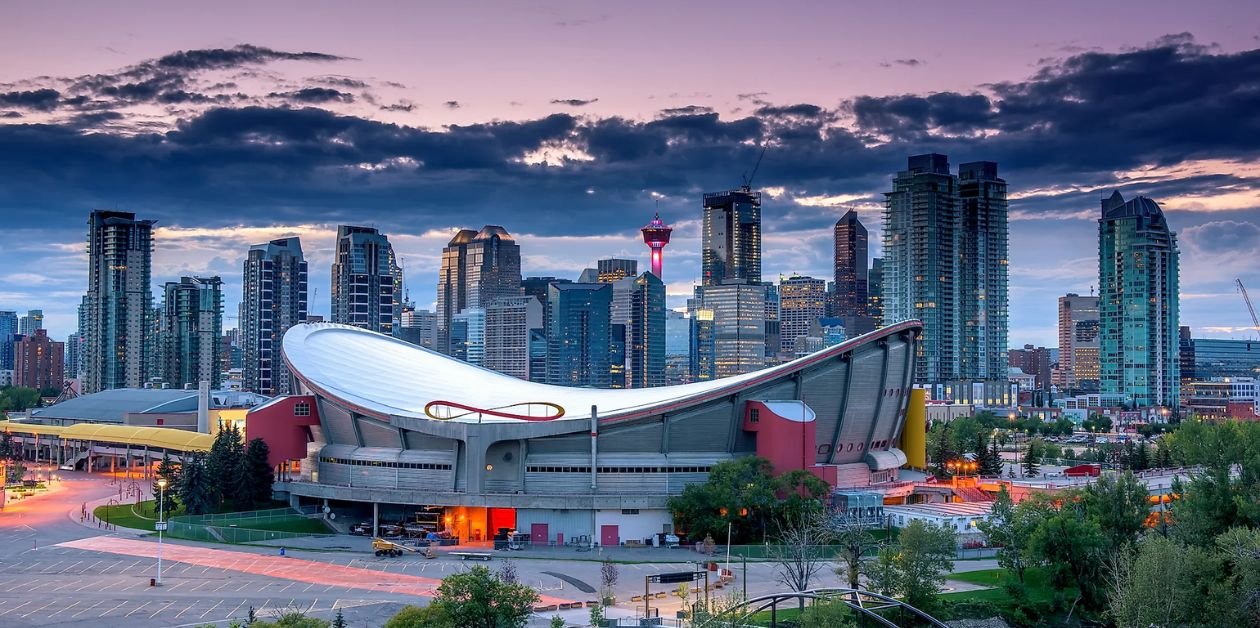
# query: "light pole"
161,525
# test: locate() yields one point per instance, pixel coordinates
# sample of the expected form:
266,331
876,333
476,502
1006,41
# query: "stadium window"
302,409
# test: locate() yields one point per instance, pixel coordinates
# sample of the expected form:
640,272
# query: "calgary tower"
656,236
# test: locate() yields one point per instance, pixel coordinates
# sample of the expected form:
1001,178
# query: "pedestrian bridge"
94,446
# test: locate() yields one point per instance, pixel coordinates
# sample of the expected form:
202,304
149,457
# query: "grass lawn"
142,516
128,515
297,525
1036,583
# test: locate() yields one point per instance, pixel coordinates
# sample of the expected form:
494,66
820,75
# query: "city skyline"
834,141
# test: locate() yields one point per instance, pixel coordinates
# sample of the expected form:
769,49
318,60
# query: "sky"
570,124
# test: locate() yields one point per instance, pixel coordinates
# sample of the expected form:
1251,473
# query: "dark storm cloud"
237,56
1072,124
573,102
10,114
315,95
686,111
38,99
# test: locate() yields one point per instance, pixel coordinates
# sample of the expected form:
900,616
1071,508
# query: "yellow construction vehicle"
390,548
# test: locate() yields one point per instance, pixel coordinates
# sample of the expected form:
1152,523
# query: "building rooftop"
953,509
112,406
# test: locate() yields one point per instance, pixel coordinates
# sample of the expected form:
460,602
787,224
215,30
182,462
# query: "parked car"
361,529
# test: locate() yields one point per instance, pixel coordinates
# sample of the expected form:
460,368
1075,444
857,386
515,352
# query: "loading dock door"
538,533
609,536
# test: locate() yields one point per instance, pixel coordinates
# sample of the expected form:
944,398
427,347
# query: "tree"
223,465
607,580
991,461
195,490
940,443
1032,458
853,536
431,616
291,619
1120,506
925,555
1163,582
827,614
169,471
258,474
882,576
744,495
339,620
557,621
798,554
477,599
1010,527
1071,545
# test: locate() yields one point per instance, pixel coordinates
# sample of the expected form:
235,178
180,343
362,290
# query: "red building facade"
38,362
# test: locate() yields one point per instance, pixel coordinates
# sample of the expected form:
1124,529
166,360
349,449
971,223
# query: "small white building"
961,517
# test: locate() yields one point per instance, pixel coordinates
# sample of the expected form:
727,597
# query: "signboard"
675,577
160,526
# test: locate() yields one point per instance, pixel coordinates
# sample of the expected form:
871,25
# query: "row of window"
826,449
428,466
549,469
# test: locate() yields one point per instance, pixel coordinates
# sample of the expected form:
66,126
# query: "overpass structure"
96,447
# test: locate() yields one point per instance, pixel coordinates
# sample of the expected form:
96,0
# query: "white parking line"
211,609
94,605
136,610
168,605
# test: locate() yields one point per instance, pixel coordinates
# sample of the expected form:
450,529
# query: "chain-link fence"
244,527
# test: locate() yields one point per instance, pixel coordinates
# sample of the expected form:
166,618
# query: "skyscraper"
119,301
419,327
646,334
849,261
731,237
656,236
8,329
33,320
273,299
1138,302
1078,343
875,292
613,269
945,264
802,301
509,321
366,281
39,362
579,334
192,330
982,296
477,268
738,314
470,335
1032,361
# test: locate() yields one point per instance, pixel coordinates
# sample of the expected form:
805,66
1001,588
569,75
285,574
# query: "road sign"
160,526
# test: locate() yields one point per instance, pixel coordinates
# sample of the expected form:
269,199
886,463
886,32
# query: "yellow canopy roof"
157,437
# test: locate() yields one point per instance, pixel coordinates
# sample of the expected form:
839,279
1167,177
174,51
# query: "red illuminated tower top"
656,236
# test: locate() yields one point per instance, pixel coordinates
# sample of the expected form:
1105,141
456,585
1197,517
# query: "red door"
538,533
608,536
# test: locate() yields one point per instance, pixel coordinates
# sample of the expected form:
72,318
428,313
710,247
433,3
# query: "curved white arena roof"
382,376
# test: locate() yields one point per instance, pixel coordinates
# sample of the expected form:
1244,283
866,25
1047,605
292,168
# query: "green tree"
169,471
882,575
477,599
258,473
925,554
18,399
1032,458
853,536
431,616
744,494
224,464
291,619
1010,527
991,461
1163,582
941,446
339,620
195,491
1120,506
1071,545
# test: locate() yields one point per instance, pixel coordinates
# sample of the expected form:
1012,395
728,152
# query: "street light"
161,525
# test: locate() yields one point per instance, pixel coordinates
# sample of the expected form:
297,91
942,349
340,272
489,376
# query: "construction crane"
748,179
1255,322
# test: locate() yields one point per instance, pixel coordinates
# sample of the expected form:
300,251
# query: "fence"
241,527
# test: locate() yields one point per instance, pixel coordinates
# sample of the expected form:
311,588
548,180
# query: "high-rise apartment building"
192,332
477,268
731,237
468,335
273,299
366,281
1138,303
119,302
509,322
39,363
419,327
74,348
8,329
849,299
983,279
646,333
33,320
1078,343
579,334
774,323
945,264
802,301
613,269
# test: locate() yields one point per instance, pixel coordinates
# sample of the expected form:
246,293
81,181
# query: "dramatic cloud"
573,102
315,95
688,110
41,99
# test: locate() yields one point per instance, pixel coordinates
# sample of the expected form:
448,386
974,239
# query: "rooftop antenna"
749,179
